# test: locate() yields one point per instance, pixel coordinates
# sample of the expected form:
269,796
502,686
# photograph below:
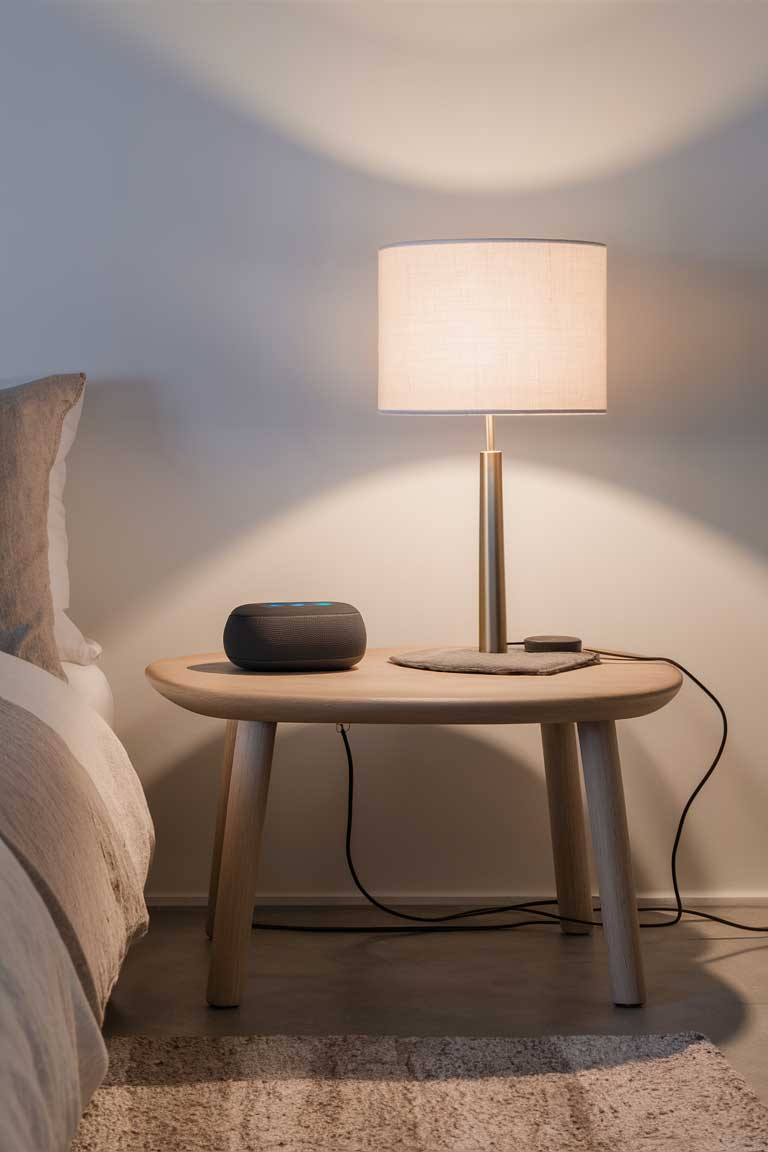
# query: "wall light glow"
466,95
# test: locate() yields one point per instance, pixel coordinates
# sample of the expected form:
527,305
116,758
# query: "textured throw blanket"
76,841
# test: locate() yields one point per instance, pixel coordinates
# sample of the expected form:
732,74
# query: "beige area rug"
377,1094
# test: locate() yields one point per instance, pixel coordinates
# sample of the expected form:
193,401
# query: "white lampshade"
492,326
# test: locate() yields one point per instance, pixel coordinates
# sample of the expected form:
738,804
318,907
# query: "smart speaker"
302,636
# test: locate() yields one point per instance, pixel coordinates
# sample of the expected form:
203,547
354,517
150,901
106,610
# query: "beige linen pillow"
72,645
31,421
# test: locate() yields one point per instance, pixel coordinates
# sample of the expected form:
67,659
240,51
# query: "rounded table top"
377,692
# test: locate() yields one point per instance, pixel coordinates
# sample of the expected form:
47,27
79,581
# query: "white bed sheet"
89,681
52,1056
69,912
93,743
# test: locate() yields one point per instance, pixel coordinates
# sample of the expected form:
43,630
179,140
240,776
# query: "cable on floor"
446,923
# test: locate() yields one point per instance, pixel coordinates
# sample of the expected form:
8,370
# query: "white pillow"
92,685
70,642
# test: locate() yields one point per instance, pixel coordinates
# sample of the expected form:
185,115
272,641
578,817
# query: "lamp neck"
490,442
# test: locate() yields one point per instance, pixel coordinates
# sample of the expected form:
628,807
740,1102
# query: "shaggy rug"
380,1094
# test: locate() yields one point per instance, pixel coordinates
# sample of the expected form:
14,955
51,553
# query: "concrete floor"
533,981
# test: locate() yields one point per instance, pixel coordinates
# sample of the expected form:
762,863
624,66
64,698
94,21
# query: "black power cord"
446,923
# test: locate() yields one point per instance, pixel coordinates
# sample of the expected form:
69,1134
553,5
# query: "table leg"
221,819
610,840
567,824
246,804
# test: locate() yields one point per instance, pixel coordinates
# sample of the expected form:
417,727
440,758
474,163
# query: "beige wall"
192,199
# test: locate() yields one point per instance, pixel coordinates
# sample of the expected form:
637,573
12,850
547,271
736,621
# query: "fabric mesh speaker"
299,637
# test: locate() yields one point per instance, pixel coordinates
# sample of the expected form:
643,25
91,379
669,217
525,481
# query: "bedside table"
588,700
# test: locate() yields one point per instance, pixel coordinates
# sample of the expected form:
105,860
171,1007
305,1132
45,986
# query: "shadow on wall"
459,804
240,304
216,278
447,804
465,96
225,309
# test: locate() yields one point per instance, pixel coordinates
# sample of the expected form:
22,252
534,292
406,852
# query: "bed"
76,836
91,684
76,840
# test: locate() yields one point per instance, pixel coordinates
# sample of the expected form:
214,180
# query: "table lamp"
492,326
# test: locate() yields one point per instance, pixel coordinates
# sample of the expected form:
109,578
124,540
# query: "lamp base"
514,663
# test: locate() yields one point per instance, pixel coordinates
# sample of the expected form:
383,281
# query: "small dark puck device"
300,636
552,644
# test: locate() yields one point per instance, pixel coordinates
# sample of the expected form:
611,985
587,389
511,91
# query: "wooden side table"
589,700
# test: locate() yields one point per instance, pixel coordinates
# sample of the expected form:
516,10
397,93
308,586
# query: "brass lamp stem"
493,596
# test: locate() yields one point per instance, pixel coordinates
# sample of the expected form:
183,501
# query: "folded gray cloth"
516,662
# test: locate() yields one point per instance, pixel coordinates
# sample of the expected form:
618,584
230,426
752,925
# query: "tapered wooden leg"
567,824
246,804
610,840
221,819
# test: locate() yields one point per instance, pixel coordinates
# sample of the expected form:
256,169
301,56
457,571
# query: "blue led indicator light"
299,604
